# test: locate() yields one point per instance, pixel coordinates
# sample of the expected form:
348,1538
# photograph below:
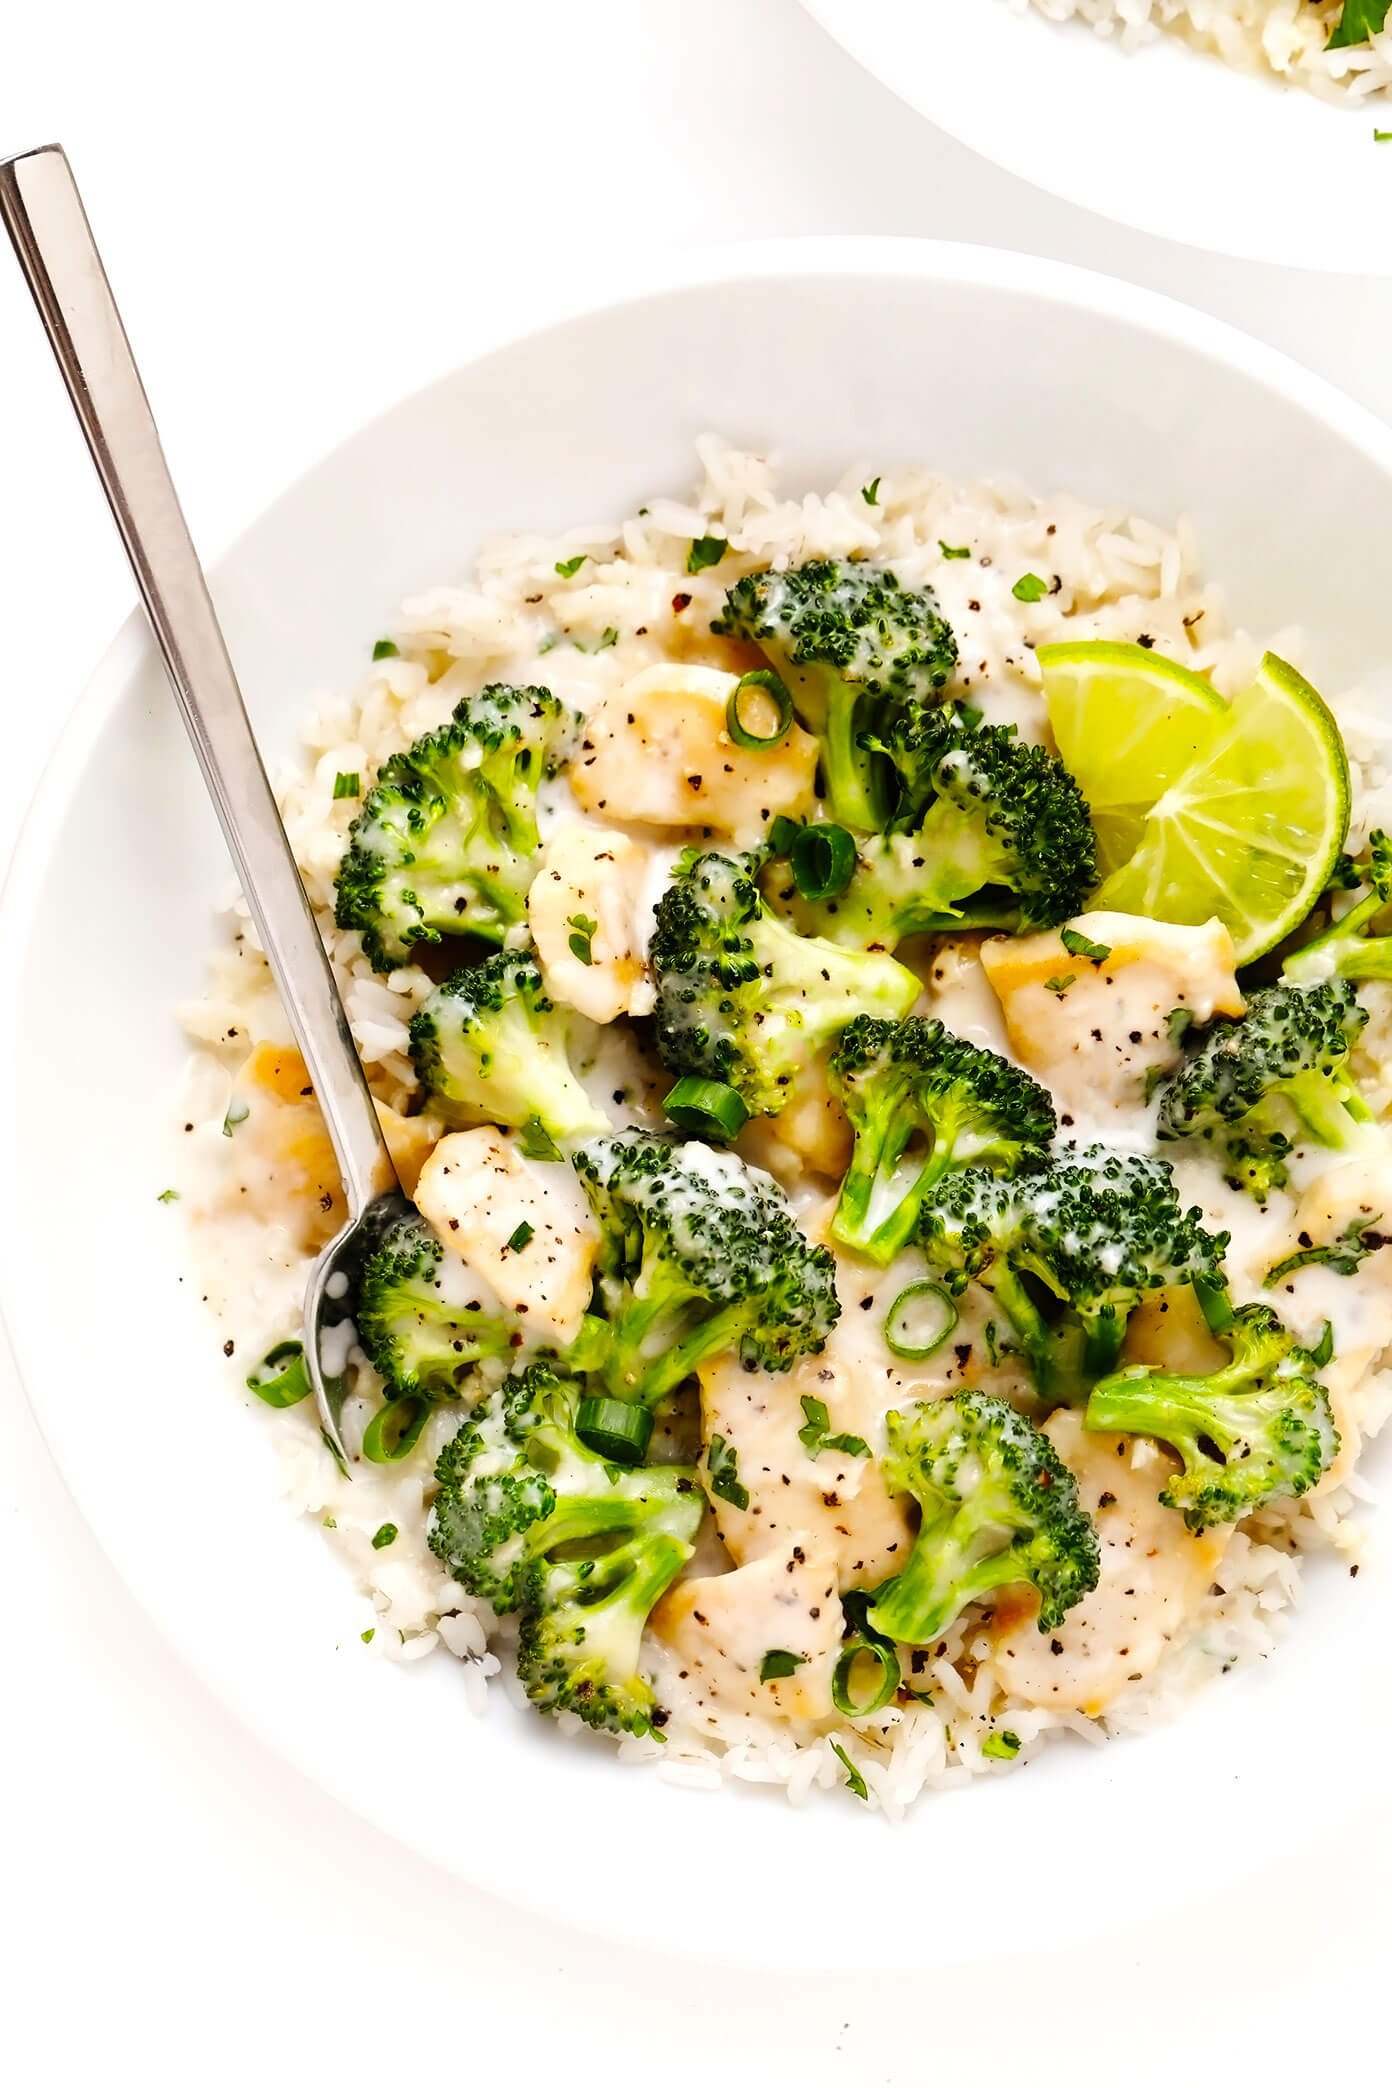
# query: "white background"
307,209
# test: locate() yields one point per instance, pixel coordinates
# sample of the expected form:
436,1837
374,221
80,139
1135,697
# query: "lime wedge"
1128,723
1252,830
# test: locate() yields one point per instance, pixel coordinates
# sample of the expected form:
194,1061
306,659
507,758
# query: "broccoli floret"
1257,1430
699,1256
999,1507
741,997
1274,1079
1347,948
530,1519
490,1047
420,1317
1068,1253
446,839
921,1102
859,652
1005,841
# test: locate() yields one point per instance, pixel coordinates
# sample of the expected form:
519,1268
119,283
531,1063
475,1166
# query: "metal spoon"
43,214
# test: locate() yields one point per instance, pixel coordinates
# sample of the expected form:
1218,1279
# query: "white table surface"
308,208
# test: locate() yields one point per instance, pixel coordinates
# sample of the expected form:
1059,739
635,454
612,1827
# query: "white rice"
1110,574
1286,37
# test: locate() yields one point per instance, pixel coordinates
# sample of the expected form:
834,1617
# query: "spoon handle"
43,214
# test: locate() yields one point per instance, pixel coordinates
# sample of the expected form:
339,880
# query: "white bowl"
1165,138
881,353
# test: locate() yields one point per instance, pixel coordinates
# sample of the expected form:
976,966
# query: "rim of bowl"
708,267
856,38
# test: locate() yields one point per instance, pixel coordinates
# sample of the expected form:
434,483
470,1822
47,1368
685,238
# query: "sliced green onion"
347,784
919,1321
394,1429
887,1664
280,1378
823,858
768,683
783,832
614,1428
708,1108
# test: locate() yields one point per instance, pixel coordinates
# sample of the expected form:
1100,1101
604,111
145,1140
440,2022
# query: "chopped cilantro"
1359,1238
582,940
1001,1747
369,1635
723,1474
954,550
385,650
815,1438
1078,946
1030,588
705,551
167,1196
1060,985
534,1142
871,494
608,637
777,1664
388,1534
855,1782
569,567
1359,22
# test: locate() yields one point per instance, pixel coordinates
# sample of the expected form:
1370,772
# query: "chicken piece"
1347,1202
719,1629
583,911
1168,1331
478,1192
810,1131
659,752
1095,1028
1154,1575
282,1160
959,994
836,1495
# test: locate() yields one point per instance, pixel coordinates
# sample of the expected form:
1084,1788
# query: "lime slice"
1251,832
1128,723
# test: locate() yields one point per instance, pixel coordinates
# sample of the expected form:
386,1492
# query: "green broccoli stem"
651,1352
1179,1410
959,860
1027,1324
582,1518
939,1578
1327,1107
1105,1332
855,790
618,1598
878,1208
1342,950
